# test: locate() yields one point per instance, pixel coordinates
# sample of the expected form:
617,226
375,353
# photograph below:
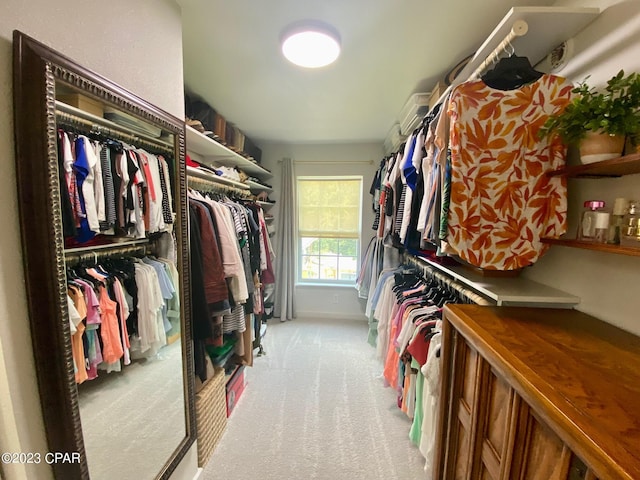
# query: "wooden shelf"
599,247
265,204
616,167
216,154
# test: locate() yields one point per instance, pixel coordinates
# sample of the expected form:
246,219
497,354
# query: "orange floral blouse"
502,202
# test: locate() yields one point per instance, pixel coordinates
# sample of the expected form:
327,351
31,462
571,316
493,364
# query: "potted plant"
598,122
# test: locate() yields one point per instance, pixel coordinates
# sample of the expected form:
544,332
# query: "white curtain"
286,230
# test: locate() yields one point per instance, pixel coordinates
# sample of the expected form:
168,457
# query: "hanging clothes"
111,188
230,264
407,304
106,337
480,190
502,201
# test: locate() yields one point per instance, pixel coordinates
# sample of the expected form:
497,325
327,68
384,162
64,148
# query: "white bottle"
592,219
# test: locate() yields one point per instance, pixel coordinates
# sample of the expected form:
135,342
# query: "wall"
345,159
137,44
606,283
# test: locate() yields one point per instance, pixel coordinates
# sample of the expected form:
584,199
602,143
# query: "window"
328,229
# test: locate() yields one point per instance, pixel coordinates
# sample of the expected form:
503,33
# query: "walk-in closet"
409,249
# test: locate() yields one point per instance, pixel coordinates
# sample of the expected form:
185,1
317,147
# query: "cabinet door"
464,396
496,439
539,454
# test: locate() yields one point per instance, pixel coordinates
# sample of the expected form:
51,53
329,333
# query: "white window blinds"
329,207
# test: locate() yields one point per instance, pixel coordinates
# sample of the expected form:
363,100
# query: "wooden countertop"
580,374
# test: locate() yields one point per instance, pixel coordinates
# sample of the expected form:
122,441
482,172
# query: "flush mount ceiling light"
310,44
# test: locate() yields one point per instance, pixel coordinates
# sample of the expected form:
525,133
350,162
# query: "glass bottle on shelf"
594,223
617,217
630,231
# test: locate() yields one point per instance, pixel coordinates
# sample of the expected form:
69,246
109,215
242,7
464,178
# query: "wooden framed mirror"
115,380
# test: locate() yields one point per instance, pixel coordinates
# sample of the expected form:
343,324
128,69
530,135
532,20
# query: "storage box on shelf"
616,167
83,103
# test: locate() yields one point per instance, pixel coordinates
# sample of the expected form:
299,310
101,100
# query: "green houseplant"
613,113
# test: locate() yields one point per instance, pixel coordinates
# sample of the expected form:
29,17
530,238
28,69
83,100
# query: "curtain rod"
332,162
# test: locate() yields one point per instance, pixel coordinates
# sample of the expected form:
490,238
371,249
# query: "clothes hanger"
511,72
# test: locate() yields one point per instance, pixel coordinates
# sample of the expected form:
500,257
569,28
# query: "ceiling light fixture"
310,44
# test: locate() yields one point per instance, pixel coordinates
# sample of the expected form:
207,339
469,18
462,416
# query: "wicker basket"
211,416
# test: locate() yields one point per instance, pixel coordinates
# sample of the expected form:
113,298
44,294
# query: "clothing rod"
74,257
519,29
429,272
129,243
213,187
198,173
72,116
332,162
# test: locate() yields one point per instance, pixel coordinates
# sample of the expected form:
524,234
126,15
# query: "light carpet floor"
315,408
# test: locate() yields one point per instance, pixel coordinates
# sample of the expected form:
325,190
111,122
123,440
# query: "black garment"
166,209
254,238
511,73
68,222
127,274
199,308
200,320
109,193
115,154
412,240
389,201
132,190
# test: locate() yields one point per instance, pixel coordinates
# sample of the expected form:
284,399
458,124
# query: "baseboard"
333,316
198,473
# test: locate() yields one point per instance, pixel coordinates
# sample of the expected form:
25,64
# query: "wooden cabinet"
537,394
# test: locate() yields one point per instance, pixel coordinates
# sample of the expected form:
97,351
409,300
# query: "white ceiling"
390,50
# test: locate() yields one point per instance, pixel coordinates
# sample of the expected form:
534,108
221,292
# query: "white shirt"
156,219
88,187
98,184
416,160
